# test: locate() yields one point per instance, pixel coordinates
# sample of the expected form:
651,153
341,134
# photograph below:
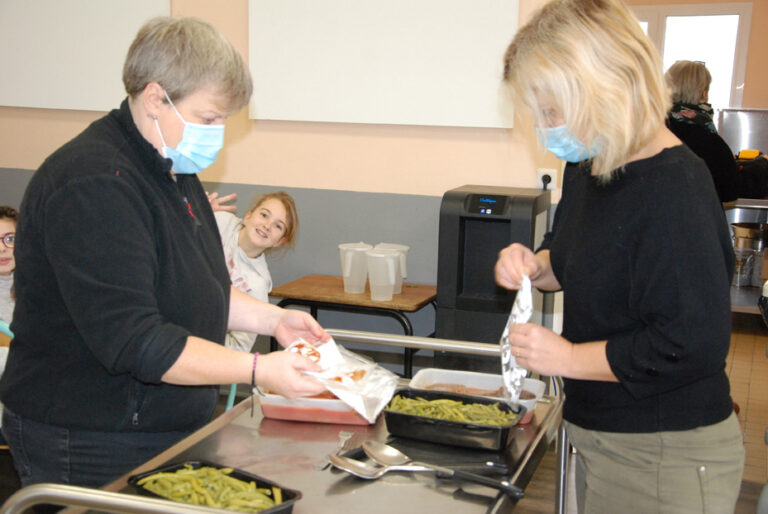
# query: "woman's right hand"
515,261
280,373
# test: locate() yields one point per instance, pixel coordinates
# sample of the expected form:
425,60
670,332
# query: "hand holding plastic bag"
360,383
512,374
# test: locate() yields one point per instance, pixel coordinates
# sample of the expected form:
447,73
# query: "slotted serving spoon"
390,456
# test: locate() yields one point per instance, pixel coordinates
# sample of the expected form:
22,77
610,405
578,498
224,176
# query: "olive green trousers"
692,471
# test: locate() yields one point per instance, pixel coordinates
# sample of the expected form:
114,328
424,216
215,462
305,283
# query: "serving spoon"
367,470
387,455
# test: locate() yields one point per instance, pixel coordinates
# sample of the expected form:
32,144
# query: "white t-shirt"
6,312
250,276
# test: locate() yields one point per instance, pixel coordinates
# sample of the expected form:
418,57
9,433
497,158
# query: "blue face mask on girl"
198,148
561,143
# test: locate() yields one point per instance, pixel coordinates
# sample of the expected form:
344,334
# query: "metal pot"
750,230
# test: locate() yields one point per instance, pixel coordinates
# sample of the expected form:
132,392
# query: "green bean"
453,410
212,487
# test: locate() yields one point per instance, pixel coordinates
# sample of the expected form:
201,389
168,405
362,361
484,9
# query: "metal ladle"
366,470
390,456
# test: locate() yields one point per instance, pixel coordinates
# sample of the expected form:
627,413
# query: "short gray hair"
688,81
183,55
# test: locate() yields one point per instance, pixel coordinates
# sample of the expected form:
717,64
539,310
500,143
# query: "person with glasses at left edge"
8,219
121,316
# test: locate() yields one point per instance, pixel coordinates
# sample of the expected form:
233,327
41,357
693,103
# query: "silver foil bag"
512,374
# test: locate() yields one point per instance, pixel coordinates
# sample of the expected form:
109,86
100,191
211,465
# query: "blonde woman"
641,250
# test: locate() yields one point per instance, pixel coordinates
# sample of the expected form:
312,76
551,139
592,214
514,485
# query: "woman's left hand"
294,324
539,349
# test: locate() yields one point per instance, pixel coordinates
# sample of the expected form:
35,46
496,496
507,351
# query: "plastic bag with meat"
357,381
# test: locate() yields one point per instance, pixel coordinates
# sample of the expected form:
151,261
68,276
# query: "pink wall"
357,157
375,158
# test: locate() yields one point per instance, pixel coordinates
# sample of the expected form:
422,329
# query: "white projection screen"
68,54
410,62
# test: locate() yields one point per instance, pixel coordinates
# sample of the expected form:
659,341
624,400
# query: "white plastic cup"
354,268
402,250
383,269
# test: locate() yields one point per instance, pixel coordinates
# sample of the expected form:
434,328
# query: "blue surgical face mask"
561,143
198,148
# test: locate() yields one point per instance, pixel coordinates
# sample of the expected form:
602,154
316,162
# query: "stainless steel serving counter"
293,454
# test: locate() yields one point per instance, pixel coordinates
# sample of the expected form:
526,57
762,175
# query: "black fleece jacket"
117,263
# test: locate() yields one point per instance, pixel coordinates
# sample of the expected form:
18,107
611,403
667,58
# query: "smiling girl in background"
270,223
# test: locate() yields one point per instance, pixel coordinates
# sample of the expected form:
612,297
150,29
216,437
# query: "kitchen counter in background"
744,210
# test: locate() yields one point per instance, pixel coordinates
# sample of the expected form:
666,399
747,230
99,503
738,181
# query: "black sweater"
117,264
645,263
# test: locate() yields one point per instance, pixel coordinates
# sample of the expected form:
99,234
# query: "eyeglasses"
9,239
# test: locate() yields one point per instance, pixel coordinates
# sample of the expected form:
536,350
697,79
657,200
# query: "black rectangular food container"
455,433
290,496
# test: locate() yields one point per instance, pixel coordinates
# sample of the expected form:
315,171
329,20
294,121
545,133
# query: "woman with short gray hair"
123,295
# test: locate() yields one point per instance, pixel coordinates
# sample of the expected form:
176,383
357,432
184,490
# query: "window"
715,34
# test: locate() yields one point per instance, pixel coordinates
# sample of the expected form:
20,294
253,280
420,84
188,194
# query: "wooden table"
327,292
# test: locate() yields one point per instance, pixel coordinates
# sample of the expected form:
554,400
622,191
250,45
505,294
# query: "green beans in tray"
453,410
202,483
451,418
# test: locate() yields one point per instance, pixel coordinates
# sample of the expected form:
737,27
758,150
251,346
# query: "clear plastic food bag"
356,380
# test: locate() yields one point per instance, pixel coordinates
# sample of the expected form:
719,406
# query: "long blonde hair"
591,59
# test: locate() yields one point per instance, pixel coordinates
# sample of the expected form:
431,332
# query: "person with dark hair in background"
123,298
9,217
690,119
641,250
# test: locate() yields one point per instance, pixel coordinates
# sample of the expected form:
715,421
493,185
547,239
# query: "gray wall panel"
329,217
13,182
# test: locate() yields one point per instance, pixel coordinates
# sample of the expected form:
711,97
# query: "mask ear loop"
157,125
174,107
